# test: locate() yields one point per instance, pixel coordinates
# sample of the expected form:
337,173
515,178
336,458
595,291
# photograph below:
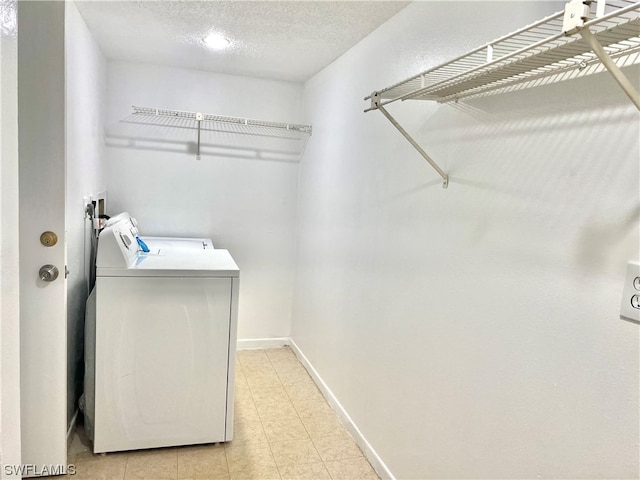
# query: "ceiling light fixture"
215,41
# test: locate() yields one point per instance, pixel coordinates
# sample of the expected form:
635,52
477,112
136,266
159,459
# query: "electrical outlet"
630,305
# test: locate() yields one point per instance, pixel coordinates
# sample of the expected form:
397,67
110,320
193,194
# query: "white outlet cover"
627,311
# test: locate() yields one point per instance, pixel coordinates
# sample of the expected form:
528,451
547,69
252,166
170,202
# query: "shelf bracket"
199,118
576,15
610,65
376,105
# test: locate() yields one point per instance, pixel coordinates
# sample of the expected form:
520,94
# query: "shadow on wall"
180,136
538,159
581,95
591,110
601,240
628,63
512,129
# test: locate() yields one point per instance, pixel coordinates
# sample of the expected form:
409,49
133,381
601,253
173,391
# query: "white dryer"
156,243
165,328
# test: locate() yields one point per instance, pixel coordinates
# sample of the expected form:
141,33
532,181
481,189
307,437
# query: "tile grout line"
253,400
298,383
298,413
303,424
287,393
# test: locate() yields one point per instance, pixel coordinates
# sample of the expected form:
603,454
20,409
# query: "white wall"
472,332
242,200
85,70
9,265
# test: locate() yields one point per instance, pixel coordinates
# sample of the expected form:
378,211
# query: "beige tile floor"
284,429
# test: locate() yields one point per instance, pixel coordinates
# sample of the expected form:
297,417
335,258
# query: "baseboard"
72,428
375,461
254,343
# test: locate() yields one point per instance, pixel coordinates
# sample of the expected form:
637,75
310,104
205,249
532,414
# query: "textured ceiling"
270,39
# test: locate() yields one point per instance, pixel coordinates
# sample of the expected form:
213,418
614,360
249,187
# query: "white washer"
165,342
156,243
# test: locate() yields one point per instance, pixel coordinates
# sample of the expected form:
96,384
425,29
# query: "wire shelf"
208,118
538,51
562,46
209,134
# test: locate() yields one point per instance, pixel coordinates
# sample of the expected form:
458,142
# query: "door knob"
48,273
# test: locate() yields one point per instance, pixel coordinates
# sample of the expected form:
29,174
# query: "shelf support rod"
199,118
436,167
610,65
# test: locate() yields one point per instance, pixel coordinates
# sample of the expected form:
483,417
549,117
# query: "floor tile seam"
291,399
298,416
278,417
244,444
264,386
277,374
297,362
274,458
237,472
297,413
313,439
299,464
328,471
175,451
294,383
308,435
253,400
288,367
345,458
279,349
280,380
126,467
280,384
257,371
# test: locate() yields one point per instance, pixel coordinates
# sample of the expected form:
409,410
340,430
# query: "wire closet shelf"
243,124
207,123
586,37
519,59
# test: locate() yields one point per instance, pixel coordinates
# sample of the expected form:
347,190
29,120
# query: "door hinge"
66,272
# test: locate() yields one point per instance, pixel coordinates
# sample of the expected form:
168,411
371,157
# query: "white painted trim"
72,428
254,343
374,459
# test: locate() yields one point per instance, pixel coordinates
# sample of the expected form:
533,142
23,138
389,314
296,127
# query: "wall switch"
630,305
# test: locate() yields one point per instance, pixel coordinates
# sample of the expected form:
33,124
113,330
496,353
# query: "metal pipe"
435,166
610,65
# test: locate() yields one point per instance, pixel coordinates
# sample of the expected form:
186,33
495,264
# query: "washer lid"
178,243
119,256
176,263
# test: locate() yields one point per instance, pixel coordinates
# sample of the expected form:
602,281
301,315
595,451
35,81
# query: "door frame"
43,316
10,443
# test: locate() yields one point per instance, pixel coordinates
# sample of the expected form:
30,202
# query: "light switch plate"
631,293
